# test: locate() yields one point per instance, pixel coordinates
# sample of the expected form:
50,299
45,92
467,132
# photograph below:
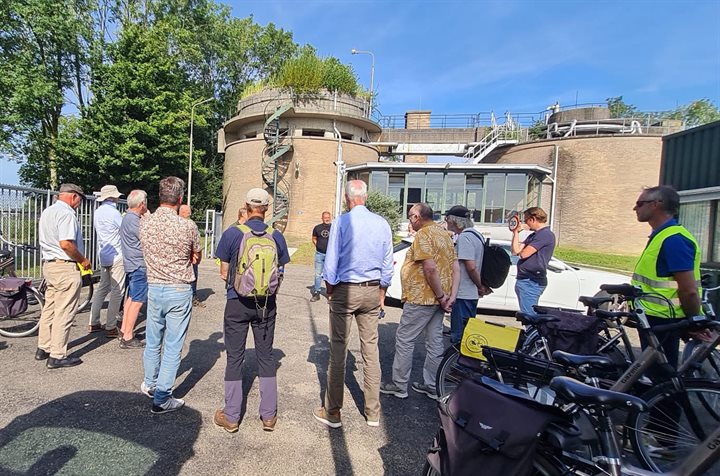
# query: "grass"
615,262
305,254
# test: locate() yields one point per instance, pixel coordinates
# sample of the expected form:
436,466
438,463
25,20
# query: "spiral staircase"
276,159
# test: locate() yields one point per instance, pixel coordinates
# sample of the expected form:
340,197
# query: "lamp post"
192,120
372,73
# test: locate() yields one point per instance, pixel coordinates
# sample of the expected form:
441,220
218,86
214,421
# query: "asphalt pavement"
92,419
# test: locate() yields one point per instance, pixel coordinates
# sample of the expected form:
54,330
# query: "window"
346,136
379,182
313,133
515,193
475,195
494,198
251,135
396,189
454,190
434,191
415,188
695,216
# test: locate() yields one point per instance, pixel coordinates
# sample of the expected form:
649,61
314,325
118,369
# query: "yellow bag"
479,333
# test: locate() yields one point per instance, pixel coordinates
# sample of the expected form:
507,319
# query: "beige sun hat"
109,191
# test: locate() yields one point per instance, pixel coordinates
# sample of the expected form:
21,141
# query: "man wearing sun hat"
107,221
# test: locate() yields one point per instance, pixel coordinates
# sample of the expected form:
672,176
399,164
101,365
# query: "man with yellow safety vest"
669,266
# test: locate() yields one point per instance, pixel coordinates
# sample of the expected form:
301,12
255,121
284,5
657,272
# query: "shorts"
137,285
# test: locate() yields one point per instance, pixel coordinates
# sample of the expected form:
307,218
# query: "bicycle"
11,327
704,351
27,322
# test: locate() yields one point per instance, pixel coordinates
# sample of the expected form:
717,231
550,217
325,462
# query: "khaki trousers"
362,303
61,298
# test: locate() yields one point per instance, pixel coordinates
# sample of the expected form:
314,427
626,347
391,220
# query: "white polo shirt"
107,223
58,222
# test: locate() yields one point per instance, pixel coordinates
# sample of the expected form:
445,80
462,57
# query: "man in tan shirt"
430,277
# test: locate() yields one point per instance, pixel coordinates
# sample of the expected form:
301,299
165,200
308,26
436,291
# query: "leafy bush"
338,77
386,207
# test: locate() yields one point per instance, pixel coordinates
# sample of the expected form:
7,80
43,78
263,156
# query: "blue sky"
456,57
466,57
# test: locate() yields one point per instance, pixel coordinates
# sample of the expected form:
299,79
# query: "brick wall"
599,179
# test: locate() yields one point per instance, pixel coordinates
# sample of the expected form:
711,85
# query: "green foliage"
619,109
339,77
538,130
386,207
303,74
698,113
620,263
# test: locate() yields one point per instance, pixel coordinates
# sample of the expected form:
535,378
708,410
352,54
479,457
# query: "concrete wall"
312,189
599,179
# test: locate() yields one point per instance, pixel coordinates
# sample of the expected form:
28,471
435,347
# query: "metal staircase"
499,135
275,163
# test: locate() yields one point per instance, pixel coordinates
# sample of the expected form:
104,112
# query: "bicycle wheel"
26,323
453,370
709,369
534,346
677,421
542,466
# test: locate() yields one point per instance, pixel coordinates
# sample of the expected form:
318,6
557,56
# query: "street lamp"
372,73
192,120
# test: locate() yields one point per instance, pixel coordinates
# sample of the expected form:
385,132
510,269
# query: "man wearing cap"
107,221
430,277
241,313
358,269
469,247
61,246
171,245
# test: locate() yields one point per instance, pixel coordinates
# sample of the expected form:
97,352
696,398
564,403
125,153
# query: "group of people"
442,273
153,252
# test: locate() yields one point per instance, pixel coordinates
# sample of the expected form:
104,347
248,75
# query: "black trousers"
240,315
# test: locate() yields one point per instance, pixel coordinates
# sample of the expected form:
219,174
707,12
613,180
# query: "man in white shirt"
107,221
61,244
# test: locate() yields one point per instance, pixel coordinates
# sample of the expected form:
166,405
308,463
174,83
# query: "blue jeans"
528,294
462,310
168,314
319,263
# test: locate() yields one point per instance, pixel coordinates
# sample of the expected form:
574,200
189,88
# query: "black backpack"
496,263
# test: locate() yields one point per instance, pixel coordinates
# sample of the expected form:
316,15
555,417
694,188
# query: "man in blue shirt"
535,253
358,269
241,313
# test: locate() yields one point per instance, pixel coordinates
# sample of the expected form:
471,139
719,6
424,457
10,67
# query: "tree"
619,109
697,113
385,206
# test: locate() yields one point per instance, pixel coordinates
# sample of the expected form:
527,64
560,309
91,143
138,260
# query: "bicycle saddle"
594,302
587,396
573,360
535,320
4,254
627,290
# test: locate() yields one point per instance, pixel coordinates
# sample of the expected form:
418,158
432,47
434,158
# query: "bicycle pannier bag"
573,332
13,297
489,428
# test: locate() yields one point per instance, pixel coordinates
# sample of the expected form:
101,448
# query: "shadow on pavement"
98,432
201,357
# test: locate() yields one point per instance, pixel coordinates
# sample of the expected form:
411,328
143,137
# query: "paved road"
92,419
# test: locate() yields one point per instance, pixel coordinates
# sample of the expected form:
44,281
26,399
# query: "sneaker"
372,421
322,415
425,389
147,391
392,389
269,425
315,297
222,422
170,405
131,344
198,303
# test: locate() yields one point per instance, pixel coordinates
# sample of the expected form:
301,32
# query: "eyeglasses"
413,216
640,203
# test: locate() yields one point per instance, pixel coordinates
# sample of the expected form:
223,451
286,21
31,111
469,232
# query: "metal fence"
20,209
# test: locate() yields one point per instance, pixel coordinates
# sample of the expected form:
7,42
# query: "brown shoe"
112,333
198,303
330,419
269,425
222,422
95,328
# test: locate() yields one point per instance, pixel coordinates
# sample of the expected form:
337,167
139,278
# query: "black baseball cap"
458,211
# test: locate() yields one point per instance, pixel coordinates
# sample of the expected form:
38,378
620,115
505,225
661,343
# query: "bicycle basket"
517,368
13,297
572,332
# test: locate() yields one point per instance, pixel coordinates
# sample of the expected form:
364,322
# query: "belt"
367,284
60,261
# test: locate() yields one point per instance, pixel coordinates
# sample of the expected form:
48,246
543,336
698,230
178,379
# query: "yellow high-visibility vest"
645,276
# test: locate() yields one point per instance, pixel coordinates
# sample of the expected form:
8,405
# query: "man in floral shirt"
171,246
